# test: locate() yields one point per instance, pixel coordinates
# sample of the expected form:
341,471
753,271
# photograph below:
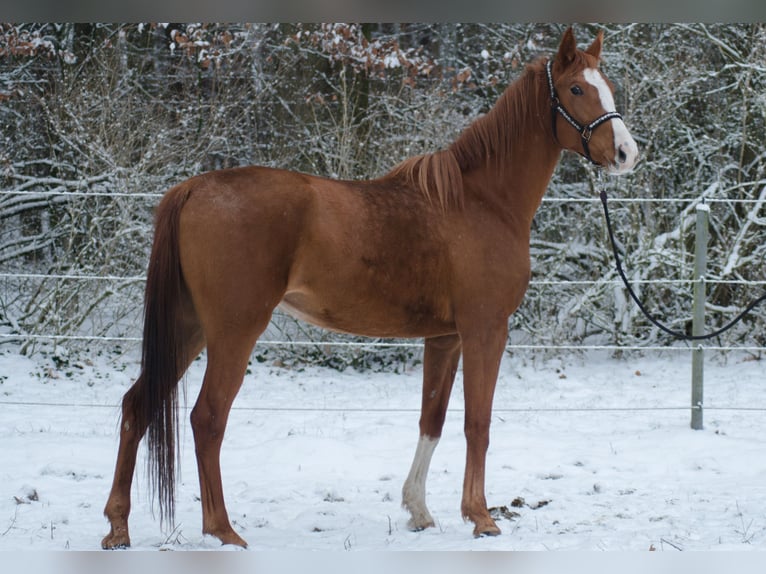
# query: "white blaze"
623,141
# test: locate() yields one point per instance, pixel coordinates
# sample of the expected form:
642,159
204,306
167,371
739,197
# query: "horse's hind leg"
440,361
132,429
226,365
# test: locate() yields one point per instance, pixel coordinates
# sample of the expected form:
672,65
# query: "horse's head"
584,118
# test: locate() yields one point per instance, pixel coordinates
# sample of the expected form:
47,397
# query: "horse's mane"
489,139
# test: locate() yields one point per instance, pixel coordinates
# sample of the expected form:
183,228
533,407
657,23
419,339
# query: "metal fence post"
698,319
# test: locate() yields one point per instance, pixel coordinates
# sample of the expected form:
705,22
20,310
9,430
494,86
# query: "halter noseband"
585,131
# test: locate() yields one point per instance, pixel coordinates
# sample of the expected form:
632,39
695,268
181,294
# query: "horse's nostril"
622,157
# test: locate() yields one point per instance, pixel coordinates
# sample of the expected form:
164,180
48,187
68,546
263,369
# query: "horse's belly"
370,318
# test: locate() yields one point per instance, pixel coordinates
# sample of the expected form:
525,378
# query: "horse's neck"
519,150
515,185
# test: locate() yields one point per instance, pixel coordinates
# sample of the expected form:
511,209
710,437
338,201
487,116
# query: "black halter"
585,131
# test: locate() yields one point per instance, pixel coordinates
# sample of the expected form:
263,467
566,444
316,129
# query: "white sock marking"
414,490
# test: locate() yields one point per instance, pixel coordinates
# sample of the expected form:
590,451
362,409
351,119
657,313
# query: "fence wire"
400,410
158,195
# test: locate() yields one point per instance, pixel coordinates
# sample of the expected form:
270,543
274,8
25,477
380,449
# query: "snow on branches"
353,45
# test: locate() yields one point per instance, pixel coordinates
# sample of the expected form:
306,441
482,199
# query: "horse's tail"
163,351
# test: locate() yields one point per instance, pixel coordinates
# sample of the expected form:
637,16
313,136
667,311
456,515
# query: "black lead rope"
641,306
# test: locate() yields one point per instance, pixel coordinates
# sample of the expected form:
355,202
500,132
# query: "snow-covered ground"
315,459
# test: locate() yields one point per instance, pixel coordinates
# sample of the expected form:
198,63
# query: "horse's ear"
595,48
567,48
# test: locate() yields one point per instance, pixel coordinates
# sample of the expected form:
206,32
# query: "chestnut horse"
438,248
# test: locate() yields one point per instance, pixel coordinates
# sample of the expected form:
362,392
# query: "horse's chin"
618,169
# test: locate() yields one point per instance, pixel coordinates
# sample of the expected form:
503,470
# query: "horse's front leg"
482,352
440,360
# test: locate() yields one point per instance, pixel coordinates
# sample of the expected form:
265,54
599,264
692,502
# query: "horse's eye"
576,90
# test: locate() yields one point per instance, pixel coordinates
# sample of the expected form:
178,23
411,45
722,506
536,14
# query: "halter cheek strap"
585,131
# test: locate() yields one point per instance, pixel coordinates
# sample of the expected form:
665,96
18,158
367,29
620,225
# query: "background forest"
97,120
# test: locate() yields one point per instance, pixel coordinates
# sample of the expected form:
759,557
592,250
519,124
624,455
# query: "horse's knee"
477,433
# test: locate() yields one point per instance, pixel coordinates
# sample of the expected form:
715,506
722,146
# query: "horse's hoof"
488,530
419,526
112,542
227,537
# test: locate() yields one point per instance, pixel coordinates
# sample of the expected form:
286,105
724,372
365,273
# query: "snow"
315,459
391,60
